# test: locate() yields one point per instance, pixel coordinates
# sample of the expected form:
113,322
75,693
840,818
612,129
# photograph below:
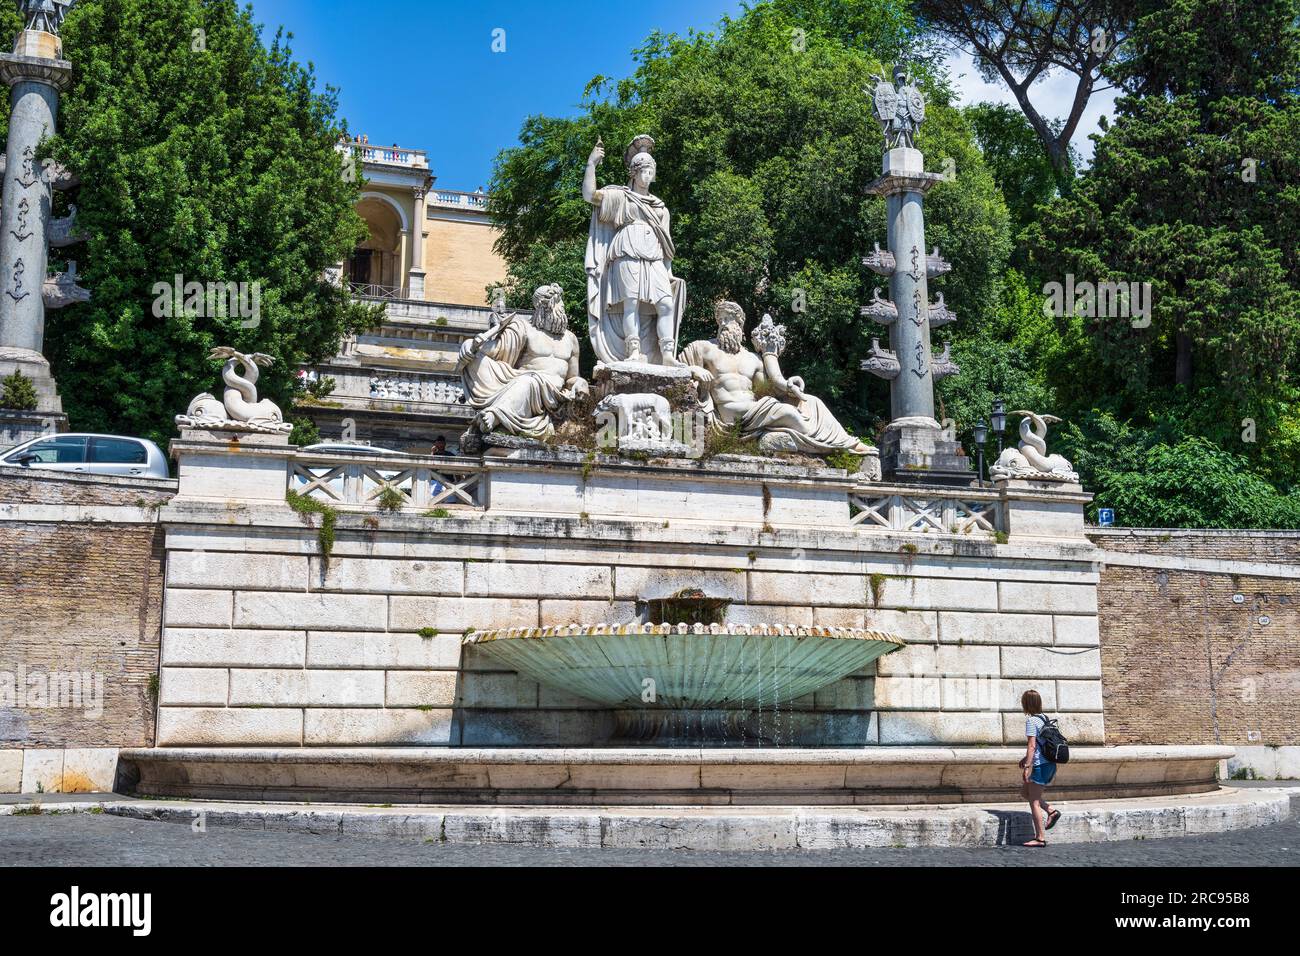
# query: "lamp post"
981,436
999,420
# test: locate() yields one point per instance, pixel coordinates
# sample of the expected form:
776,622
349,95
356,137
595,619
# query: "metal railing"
372,290
877,508
360,481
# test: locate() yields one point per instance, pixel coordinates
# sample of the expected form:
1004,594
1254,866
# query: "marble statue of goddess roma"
731,375
518,373
634,303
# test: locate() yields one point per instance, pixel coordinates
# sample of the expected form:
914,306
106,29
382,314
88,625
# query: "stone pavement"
86,839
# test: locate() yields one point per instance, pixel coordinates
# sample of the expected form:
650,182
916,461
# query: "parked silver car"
90,455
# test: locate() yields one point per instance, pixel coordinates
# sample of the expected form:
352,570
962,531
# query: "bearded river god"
634,302
518,373
731,375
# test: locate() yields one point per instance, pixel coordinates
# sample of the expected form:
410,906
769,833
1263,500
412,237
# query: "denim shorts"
1043,774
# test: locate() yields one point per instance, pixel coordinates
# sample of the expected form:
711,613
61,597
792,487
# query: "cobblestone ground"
104,840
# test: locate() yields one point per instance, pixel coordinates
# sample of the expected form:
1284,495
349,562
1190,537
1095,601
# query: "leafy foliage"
1176,482
1193,190
211,160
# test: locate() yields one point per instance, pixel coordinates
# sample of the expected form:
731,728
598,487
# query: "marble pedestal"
648,409
913,450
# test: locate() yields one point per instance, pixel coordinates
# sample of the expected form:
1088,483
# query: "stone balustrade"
457,199
360,481
389,155
926,511
417,387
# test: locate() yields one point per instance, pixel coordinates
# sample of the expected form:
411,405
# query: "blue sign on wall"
1105,516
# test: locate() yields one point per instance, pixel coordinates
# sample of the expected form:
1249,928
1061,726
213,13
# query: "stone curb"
712,828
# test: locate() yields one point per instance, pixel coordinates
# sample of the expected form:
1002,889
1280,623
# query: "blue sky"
422,73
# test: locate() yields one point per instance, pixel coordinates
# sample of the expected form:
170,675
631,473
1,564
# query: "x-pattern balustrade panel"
921,514
364,484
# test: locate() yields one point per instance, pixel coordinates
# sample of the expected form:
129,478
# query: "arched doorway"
375,266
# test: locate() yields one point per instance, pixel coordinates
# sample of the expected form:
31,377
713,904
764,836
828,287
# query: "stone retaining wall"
264,645
1208,652
81,582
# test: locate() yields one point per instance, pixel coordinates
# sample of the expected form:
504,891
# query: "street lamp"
999,420
981,436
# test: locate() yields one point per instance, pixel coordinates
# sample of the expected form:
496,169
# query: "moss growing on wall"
306,506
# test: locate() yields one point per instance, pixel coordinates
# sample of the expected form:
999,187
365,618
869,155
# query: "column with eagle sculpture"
914,447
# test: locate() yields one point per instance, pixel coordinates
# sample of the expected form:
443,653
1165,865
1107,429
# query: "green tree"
207,154
1015,157
1193,190
766,145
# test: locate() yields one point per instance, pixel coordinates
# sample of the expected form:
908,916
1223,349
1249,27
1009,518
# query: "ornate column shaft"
903,183
35,83
914,447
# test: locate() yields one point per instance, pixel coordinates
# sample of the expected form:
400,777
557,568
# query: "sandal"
1035,844
1052,818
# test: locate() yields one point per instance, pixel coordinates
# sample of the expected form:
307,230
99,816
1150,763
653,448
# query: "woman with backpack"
1039,770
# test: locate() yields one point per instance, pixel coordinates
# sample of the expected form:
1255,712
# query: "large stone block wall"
262,644
460,260
81,586
1201,637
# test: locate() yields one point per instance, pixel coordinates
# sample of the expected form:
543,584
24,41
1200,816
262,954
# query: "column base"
415,284
913,450
33,365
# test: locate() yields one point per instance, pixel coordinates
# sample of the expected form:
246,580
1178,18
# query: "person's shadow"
1014,827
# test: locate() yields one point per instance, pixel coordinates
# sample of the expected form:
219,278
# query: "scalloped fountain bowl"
693,682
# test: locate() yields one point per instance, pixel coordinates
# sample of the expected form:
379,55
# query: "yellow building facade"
425,244
428,259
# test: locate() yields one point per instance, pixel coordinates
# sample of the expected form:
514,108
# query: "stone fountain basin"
715,666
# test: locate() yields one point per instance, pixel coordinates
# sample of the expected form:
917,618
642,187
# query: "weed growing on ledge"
438,513
428,633
730,441
1001,537
844,459
390,500
305,506
876,580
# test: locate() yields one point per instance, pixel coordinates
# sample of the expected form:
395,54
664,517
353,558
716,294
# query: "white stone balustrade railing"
457,199
923,511
418,387
390,155
360,481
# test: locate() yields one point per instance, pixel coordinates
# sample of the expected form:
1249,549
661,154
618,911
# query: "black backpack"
1051,742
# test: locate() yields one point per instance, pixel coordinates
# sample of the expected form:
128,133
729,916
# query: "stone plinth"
232,465
1044,509
644,409
885,775
913,450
